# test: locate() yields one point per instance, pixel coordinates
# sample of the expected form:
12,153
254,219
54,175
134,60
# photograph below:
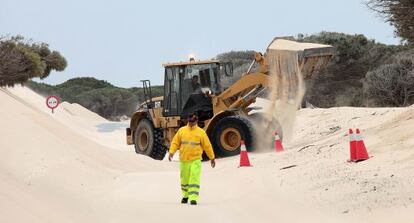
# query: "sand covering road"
52,171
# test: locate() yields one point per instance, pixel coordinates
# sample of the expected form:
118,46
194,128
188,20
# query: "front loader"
225,115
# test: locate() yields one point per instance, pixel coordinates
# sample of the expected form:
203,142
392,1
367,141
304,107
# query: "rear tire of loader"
148,140
227,134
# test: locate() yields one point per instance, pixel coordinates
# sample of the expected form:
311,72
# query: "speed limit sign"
52,102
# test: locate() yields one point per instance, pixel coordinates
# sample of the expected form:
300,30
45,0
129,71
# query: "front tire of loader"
227,134
148,140
265,128
260,121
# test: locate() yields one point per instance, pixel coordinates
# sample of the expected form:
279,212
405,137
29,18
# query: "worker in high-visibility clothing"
191,140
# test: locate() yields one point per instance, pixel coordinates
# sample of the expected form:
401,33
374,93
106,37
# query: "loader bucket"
312,57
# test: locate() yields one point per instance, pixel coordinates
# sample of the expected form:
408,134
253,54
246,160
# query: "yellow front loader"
225,115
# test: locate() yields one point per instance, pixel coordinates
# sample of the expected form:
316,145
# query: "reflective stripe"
193,192
352,137
184,189
242,147
184,185
191,143
194,185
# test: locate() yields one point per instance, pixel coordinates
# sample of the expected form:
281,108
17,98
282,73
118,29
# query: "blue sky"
124,41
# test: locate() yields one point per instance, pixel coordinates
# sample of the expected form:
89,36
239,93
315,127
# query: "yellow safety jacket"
191,141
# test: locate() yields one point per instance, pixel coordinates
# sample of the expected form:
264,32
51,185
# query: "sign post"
52,102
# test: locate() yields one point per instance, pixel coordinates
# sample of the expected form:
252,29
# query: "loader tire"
265,131
148,140
227,134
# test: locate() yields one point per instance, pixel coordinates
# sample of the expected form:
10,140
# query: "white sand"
283,44
63,168
79,119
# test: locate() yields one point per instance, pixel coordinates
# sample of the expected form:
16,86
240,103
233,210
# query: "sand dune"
73,166
55,166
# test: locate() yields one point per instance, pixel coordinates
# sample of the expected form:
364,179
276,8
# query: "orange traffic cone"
352,146
244,158
361,151
278,143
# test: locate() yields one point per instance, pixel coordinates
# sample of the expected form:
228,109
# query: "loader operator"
191,140
196,86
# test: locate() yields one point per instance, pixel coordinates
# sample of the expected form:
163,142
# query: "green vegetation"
392,84
22,60
342,82
398,13
97,95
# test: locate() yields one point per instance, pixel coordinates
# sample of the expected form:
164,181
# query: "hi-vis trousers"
190,172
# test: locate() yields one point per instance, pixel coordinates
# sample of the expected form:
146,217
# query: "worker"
191,140
196,86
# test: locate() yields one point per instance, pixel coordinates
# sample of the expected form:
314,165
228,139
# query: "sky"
125,41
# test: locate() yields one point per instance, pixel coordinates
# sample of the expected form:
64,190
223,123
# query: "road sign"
52,102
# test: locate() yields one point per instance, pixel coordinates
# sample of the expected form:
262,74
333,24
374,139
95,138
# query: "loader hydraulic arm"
245,91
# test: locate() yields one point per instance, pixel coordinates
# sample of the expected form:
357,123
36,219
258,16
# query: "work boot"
184,200
193,202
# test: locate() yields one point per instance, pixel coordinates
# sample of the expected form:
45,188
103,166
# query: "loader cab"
189,86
